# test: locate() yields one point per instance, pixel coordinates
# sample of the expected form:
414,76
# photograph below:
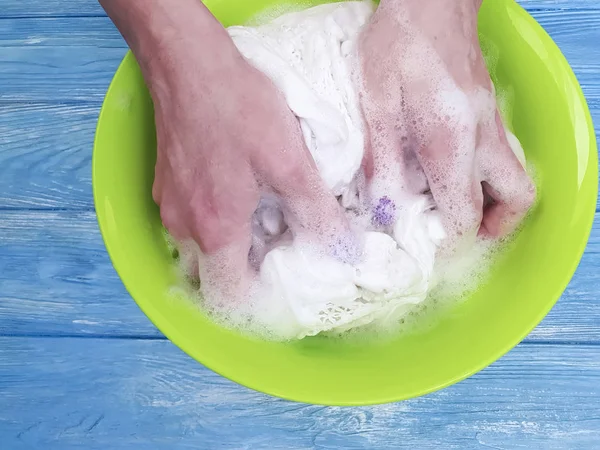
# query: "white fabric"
309,55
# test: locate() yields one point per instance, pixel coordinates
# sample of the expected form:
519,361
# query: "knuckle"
216,230
207,230
292,174
209,238
522,194
169,218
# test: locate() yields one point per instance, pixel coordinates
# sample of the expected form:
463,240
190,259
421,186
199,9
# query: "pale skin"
463,160
225,134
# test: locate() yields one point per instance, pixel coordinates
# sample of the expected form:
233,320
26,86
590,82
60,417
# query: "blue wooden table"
82,368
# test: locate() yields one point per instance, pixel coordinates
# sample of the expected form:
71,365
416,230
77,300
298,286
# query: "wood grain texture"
57,75
129,394
54,73
57,278
91,8
70,70
58,281
50,8
58,32
81,367
46,155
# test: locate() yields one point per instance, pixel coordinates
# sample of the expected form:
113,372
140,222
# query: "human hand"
226,136
432,117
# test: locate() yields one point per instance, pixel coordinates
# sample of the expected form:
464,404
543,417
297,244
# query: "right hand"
433,119
225,136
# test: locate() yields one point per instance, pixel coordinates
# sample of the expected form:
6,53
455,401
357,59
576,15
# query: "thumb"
508,188
311,210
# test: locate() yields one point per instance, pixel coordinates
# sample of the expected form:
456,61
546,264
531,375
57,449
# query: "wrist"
171,36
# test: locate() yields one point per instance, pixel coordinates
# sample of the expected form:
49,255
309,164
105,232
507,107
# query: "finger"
170,216
268,229
388,167
509,188
210,248
219,215
448,161
225,275
310,208
224,266
312,212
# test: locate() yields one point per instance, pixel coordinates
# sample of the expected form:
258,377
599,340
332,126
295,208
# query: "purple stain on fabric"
384,212
346,249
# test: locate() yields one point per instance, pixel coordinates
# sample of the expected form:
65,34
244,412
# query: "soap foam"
384,279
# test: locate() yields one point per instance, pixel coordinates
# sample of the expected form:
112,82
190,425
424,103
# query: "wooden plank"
533,5
68,60
91,8
57,74
46,151
57,280
86,51
123,394
64,59
50,8
71,32
46,155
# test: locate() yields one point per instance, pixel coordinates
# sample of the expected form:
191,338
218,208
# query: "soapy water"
456,279
387,277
